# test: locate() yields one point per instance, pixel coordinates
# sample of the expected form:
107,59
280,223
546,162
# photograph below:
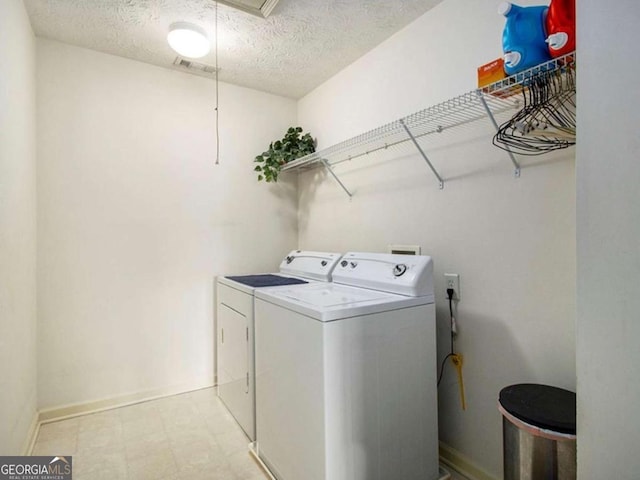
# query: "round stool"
539,432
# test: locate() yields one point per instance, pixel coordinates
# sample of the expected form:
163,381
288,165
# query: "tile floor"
188,436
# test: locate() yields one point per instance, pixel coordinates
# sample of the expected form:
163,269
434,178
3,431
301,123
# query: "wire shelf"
464,109
515,83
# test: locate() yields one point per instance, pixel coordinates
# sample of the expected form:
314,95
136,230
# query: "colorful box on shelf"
493,72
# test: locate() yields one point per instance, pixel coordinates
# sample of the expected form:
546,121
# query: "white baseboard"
69,411
253,451
462,464
32,435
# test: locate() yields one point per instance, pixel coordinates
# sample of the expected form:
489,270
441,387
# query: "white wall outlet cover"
453,281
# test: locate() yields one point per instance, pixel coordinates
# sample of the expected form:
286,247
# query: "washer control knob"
344,263
353,264
399,269
289,259
323,263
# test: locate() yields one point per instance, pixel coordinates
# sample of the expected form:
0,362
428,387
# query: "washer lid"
331,296
329,301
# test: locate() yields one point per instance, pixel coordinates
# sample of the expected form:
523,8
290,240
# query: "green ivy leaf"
281,152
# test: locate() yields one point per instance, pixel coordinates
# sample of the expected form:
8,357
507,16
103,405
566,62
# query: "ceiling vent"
194,67
261,8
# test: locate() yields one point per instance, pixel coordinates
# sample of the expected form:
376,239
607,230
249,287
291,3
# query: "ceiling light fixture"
188,40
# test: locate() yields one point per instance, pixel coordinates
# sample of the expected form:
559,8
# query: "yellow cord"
457,361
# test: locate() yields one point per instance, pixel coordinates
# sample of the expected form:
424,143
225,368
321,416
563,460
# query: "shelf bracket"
516,172
330,170
424,155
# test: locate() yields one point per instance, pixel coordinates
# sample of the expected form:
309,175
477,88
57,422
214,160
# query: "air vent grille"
194,67
261,8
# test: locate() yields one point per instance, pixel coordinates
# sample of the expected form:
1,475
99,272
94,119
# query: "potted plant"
293,145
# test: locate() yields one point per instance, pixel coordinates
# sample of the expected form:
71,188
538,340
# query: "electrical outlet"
453,281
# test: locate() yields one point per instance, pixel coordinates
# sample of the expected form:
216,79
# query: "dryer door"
235,359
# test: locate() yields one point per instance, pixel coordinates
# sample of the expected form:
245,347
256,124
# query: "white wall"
135,220
608,227
511,240
17,227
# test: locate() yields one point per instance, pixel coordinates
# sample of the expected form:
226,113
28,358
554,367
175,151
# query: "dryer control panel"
308,264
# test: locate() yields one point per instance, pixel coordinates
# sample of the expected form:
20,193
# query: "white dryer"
235,327
346,373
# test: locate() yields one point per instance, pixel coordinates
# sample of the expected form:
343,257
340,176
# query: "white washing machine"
235,327
346,373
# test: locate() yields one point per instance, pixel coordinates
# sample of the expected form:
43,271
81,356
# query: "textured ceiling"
299,46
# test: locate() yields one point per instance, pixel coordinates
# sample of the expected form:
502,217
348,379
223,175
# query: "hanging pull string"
217,97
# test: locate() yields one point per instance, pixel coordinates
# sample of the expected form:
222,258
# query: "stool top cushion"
543,406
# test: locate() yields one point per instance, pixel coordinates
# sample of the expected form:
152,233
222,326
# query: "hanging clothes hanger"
547,120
